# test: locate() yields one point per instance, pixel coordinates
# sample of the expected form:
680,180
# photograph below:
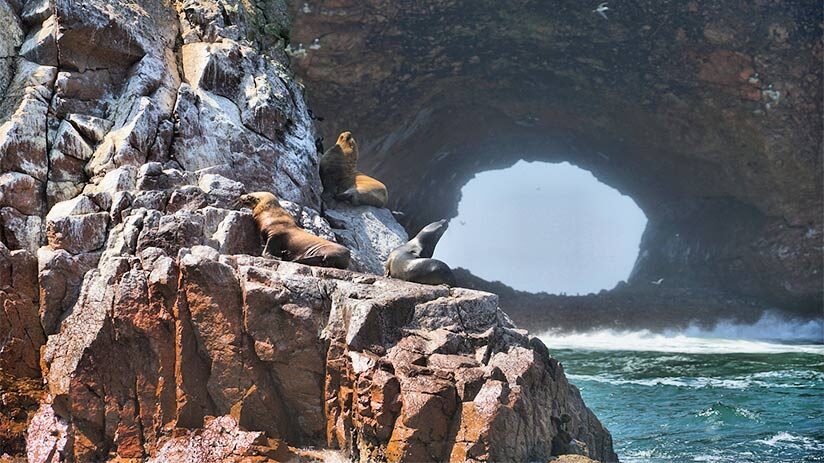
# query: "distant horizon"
587,232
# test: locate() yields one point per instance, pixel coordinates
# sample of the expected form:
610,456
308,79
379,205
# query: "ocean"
732,394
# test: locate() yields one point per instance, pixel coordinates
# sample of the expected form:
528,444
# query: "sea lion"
341,179
413,260
285,240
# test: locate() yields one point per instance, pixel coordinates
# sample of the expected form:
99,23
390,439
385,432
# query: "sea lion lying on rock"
285,240
341,179
413,261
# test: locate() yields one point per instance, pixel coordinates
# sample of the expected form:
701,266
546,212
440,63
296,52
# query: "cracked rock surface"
136,323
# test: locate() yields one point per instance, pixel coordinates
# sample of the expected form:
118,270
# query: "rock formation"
136,323
708,113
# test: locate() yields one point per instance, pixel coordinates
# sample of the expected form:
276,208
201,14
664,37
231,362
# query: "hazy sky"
544,227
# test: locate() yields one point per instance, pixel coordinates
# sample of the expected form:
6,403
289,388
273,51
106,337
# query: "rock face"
707,113
400,371
135,325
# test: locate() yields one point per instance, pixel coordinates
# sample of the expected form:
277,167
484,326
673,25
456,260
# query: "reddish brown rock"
78,233
404,377
20,332
21,337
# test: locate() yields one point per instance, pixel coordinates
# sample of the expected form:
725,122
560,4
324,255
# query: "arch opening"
544,227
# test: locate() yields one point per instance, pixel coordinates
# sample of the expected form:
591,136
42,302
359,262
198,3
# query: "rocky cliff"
708,113
136,325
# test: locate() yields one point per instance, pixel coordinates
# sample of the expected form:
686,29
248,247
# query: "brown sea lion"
285,240
341,179
413,260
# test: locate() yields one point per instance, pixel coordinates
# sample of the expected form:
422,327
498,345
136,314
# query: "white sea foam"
700,382
785,439
762,337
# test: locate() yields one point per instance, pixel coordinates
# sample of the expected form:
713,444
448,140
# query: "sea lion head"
347,142
435,229
258,201
429,236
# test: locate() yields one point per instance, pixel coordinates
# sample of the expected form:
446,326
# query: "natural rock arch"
708,114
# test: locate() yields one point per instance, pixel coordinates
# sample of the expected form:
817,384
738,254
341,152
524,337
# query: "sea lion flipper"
271,249
316,261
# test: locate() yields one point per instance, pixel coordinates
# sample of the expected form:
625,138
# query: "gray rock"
21,192
370,233
78,206
60,275
78,233
21,231
41,46
93,128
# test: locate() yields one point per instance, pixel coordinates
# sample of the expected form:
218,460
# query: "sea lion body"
342,180
413,260
286,241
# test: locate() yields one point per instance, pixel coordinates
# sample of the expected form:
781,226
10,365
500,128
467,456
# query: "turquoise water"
684,398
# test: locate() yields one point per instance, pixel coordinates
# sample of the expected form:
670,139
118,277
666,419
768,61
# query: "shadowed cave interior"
692,109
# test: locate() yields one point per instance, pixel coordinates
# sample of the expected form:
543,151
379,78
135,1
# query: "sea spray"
731,393
770,334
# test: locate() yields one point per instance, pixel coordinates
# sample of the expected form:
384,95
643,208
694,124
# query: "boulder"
369,232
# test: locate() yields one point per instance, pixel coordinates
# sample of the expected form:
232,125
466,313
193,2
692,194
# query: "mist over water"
769,335
544,227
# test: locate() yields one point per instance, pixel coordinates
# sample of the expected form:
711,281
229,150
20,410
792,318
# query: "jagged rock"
40,46
77,206
77,233
21,231
238,234
223,191
21,192
171,232
120,179
69,142
215,67
90,39
65,169
370,233
22,132
152,176
18,404
11,37
188,198
22,335
93,128
37,11
222,440
230,113
21,338
62,191
60,275
396,351
310,219
47,436
128,144
151,199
